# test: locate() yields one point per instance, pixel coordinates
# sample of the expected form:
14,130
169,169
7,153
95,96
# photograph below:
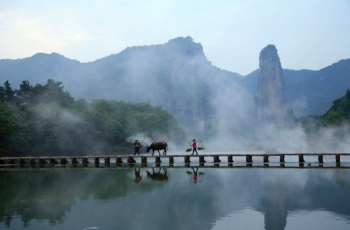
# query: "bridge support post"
187,159
107,160
32,161
266,158
63,161
2,162
201,159
131,160
249,159
229,159
171,160
337,158
85,161
217,159
74,161
144,160
119,160
320,159
21,162
42,161
158,161
12,161
97,160
301,158
282,158
53,161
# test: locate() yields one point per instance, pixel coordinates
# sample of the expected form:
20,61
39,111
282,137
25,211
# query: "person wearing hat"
194,146
137,145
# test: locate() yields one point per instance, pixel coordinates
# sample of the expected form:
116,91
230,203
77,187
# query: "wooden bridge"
130,159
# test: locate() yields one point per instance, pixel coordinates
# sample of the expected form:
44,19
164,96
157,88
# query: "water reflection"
274,201
138,177
193,176
106,198
158,176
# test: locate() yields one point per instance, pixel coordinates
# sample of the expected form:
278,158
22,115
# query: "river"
240,197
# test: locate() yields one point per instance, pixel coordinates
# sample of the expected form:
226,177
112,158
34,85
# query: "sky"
308,34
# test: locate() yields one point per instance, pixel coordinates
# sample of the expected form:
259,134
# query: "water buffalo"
158,145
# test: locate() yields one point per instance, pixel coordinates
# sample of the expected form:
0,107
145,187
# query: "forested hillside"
45,119
339,111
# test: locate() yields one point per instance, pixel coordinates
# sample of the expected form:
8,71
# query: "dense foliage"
45,119
339,112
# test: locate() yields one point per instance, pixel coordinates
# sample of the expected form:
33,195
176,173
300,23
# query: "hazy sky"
309,34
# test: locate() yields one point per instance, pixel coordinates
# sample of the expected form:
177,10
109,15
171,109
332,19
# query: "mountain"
271,92
177,76
309,92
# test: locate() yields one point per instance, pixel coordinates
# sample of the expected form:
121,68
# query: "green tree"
2,94
339,111
9,93
24,93
14,130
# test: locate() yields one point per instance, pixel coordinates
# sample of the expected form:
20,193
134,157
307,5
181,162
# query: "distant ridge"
175,75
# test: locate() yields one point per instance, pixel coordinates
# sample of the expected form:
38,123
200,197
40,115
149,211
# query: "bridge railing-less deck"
130,159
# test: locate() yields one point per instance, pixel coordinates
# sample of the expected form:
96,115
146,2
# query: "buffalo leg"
159,152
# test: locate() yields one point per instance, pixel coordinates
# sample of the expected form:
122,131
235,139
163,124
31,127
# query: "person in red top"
194,146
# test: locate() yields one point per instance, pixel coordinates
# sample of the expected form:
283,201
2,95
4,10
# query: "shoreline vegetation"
46,120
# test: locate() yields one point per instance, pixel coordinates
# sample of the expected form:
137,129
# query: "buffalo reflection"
158,177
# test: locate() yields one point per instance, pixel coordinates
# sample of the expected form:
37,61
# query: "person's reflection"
138,177
194,175
158,177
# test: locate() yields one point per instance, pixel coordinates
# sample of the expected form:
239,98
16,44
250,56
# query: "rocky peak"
186,45
271,91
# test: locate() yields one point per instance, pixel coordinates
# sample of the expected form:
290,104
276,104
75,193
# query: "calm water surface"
239,198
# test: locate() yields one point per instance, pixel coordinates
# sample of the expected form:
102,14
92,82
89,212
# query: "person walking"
137,145
194,146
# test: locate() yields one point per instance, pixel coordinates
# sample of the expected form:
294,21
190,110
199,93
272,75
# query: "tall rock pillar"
271,92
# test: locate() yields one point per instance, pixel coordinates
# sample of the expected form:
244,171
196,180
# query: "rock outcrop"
271,92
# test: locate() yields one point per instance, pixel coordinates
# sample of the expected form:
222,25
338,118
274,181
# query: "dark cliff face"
271,91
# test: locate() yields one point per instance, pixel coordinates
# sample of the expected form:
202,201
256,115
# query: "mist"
209,104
